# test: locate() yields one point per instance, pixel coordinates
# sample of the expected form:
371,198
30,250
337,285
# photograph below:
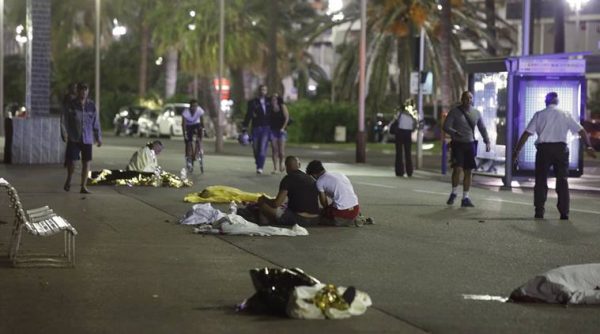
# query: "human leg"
399,164
274,153
560,163
408,153
262,143
281,153
540,189
85,169
70,168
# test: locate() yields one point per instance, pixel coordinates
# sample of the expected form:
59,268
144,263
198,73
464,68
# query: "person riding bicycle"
193,125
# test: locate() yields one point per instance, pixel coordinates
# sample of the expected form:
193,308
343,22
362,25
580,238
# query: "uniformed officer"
552,126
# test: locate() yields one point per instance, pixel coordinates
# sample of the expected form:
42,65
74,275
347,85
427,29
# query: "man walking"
460,125
80,129
259,113
552,126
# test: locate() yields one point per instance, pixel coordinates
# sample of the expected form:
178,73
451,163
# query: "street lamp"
576,6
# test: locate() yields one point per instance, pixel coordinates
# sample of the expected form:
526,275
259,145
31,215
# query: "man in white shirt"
192,126
343,209
144,160
552,126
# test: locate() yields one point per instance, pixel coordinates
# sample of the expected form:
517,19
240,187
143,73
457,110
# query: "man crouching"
301,192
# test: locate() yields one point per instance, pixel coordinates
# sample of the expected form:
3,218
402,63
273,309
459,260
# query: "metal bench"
41,222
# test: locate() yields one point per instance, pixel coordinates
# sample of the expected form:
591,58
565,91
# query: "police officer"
552,126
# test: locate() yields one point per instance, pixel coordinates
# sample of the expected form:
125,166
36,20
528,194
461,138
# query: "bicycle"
194,135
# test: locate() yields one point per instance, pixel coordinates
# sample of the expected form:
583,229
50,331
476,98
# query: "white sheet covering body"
576,284
301,305
209,220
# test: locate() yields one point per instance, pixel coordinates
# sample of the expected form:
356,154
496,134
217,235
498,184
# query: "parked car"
431,131
147,125
125,120
592,127
169,121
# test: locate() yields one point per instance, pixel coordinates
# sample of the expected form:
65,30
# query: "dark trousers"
403,150
555,155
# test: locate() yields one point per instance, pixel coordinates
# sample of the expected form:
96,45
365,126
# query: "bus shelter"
508,92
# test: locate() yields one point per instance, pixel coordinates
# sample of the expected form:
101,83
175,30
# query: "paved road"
138,271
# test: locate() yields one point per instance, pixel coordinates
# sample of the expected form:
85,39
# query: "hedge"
315,121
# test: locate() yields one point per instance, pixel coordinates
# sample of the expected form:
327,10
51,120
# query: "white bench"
41,222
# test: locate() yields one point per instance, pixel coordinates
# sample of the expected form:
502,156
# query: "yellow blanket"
222,194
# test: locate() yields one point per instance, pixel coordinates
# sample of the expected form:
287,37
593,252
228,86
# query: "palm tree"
391,27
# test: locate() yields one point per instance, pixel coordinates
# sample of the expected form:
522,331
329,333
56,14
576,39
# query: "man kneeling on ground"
344,209
144,160
300,190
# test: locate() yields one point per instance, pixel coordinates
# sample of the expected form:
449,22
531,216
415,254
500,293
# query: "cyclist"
193,125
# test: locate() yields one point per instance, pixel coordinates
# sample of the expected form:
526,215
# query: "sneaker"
259,171
451,199
538,216
564,217
360,221
370,221
466,203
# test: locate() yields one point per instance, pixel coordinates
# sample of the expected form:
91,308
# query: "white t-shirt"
338,187
552,125
144,160
192,119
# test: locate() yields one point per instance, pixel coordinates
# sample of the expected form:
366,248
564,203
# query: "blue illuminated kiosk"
508,92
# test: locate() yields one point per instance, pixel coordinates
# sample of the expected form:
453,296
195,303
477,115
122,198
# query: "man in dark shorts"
460,125
80,129
301,192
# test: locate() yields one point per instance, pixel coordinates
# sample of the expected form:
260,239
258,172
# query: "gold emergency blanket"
131,178
222,194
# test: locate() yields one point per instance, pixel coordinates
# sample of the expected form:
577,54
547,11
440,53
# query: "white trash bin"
340,134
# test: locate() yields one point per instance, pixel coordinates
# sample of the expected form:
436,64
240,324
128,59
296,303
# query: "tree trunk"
559,27
144,42
446,61
171,72
273,80
490,22
238,90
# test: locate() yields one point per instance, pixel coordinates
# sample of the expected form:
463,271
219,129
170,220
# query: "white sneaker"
259,171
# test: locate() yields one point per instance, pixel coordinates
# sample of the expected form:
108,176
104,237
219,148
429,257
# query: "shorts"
462,155
74,149
191,130
291,218
277,135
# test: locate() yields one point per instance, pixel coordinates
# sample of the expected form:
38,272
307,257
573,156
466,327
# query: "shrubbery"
315,121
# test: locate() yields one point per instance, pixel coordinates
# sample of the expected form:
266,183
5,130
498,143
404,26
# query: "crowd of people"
304,191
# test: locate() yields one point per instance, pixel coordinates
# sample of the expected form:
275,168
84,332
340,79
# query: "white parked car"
147,125
169,121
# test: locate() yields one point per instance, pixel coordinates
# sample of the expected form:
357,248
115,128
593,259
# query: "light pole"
219,134
576,7
362,56
97,78
2,67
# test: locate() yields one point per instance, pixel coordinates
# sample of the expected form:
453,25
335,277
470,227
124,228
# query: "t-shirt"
301,191
144,160
191,119
552,125
338,187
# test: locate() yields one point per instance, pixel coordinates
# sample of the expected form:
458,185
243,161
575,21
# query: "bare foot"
84,191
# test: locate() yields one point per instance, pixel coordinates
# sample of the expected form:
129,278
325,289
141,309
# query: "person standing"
80,129
192,126
460,125
552,126
406,122
259,113
278,122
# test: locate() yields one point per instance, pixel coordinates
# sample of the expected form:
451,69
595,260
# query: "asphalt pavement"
138,271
